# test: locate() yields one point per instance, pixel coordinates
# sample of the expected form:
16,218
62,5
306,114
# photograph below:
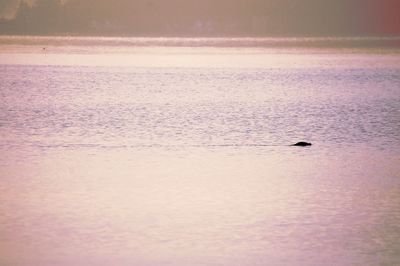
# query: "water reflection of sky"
181,156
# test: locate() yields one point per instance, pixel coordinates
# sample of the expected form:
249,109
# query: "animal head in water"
302,144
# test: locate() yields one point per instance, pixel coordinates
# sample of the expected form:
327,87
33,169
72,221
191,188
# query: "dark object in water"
302,144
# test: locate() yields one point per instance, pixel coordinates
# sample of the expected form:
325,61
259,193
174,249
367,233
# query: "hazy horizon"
200,18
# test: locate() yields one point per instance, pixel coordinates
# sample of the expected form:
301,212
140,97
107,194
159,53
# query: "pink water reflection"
128,208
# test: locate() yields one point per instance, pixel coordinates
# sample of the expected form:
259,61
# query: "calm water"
175,152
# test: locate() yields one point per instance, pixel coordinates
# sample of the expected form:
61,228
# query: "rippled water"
130,154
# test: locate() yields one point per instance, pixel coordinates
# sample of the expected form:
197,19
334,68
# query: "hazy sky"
312,17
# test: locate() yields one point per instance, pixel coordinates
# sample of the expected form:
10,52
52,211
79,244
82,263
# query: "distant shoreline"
221,41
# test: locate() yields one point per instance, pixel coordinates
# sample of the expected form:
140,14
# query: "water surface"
146,152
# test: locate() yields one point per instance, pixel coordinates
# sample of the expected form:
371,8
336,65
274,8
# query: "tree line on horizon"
205,17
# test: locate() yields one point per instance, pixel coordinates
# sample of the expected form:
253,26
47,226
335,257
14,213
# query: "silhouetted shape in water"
302,144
